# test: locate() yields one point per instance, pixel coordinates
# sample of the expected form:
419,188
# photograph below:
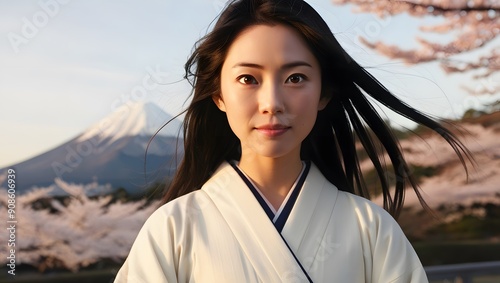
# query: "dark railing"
481,272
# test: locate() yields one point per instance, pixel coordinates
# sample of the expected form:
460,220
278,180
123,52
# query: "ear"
219,102
323,102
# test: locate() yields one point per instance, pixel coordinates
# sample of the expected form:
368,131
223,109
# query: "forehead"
264,45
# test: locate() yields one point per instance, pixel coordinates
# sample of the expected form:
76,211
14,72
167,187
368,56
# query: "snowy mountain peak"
132,119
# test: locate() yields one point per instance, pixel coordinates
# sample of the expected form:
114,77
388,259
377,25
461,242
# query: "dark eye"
247,79
296,78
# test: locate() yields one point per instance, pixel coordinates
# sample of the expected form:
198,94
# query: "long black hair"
349,116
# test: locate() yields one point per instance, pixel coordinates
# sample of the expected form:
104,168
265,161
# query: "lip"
272,130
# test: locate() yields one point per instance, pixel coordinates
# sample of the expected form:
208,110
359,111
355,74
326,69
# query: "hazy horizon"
68,64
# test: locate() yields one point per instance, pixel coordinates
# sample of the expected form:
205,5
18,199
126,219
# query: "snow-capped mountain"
111,151
138,119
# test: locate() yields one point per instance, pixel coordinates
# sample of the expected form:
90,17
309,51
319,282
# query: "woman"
269,188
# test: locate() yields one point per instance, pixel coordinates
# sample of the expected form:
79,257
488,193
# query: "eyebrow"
284,67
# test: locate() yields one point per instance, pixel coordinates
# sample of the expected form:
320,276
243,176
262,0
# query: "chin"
275,152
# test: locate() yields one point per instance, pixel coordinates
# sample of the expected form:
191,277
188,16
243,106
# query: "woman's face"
270,90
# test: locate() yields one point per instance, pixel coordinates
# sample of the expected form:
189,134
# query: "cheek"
307,108
238,117
308,103
239,103
238,108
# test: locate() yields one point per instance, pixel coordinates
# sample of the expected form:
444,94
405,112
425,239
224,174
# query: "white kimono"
221,233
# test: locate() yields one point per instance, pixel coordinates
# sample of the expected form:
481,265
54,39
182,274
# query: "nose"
271,100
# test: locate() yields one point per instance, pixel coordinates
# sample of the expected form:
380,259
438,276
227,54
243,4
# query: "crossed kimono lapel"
260,241
305,228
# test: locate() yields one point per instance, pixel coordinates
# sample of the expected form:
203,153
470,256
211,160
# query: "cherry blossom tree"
476,24
75,233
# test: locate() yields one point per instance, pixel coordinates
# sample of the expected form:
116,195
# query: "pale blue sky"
65,65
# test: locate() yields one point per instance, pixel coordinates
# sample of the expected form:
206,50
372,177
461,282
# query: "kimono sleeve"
152,257
393,257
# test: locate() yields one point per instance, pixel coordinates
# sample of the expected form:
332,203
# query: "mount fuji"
112,151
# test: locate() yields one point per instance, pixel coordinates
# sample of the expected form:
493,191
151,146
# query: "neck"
274,177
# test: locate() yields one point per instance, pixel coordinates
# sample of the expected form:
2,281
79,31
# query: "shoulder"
167,225
370,216
182,207
365,207
350,204
155,255
364,215
391,256
193,204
